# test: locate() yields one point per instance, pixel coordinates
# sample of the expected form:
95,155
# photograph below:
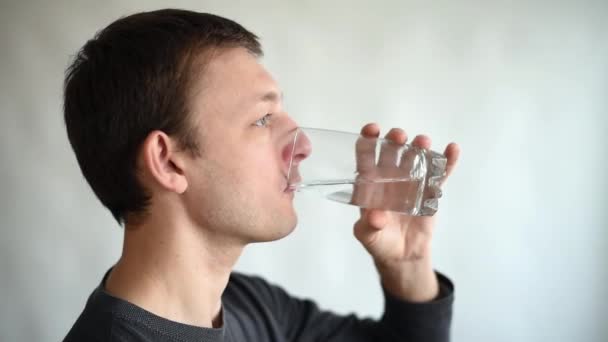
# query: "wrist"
412,281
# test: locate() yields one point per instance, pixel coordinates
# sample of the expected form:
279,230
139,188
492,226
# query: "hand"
399,244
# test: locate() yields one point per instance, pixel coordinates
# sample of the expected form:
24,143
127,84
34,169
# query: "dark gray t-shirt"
254,310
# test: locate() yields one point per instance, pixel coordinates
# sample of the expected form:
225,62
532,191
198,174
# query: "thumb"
369,225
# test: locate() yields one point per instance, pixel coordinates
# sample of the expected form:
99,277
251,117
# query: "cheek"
262,167
247,164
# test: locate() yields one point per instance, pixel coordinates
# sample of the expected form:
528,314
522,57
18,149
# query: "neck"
174,270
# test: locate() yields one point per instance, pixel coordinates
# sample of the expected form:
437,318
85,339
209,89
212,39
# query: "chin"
278,228
289,228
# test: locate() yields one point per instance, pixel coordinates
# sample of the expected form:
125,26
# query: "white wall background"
522,86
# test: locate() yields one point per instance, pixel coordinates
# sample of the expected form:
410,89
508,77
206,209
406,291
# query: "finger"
422,141
389,152
365,148
377,219
370,130
410,156
452,153
396,135
370,224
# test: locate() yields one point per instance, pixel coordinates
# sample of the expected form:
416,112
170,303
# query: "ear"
163,162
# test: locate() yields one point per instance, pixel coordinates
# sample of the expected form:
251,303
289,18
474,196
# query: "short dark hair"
134,77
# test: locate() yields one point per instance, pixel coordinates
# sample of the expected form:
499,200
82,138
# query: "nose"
298,149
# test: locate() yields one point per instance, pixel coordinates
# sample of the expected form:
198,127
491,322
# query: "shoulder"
239,279
91,327
108,327
106,318
254,289
240,283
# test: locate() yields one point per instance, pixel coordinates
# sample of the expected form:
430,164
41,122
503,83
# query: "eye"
262,122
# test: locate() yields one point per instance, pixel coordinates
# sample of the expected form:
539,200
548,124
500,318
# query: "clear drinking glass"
366,172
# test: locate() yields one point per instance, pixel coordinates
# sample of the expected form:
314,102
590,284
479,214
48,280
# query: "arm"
418,301
400,244
302,320
428,321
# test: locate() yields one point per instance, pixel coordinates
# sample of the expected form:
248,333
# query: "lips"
293,181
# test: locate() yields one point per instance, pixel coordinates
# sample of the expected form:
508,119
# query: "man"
180,133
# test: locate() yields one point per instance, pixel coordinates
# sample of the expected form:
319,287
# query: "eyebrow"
272,96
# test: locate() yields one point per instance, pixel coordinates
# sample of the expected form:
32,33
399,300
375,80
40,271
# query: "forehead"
235,75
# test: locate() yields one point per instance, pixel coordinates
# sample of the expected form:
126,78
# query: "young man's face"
238,185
